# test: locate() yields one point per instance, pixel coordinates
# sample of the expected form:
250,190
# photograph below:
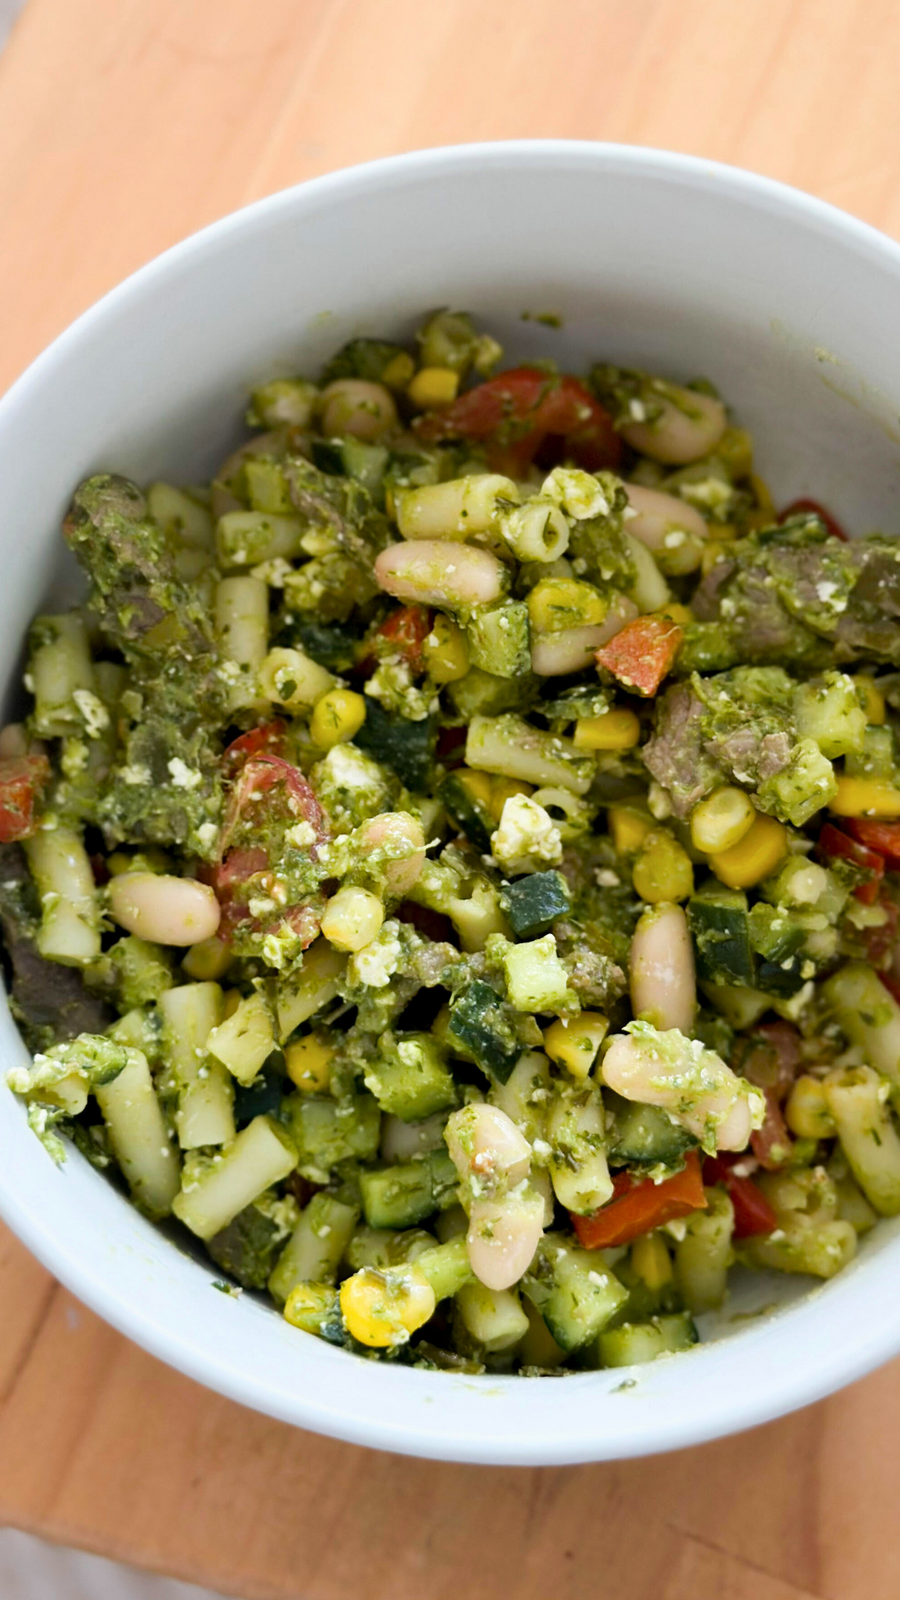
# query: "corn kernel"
676,612
722,820
383,1308
870,698
208,961
557,603
735,451
806,1113
754,856
574,1044
352,918
663,869
865,797
309,1305
618,729
629,828
446,651
651,1260
478,786
433,387
337,717
399,372
308,1064
503,789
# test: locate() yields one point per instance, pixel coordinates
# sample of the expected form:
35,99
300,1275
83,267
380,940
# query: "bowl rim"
824,1369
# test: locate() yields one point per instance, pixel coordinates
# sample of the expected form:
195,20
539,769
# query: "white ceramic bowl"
651,259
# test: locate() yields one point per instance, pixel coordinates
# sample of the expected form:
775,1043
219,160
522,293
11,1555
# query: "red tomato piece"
641,653
637,1205
771,1144
406,630
883,837
267,739
22,781
518,411
817,510
288,791
833,843
752,1212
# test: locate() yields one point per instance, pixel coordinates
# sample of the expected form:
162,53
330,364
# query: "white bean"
663,985
396,830
441,573
672,529
688,1081
354,406
689,426
555,655
503,1236
164,910
486,1145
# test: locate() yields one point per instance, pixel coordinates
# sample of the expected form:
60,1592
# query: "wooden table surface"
125,124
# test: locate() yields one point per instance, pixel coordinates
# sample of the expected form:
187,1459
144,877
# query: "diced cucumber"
409,1078
639,1133
401,1196
498,639
575,1292
719,924
480,1022
634,1343
407,747
327,1131
467,811
533,903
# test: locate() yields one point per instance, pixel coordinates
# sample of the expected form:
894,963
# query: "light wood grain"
125,124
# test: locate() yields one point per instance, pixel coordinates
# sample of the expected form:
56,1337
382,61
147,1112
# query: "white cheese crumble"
527,838
94,712
183,776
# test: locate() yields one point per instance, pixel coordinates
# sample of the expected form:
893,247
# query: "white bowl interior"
650,260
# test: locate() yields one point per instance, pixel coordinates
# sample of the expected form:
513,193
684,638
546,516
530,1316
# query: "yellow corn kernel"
574,1044
337,717
806,1113
503,789
651,1260
629,828
352,918
735,451
753,857
149,859
676,612
663,869
433,387
230,1003
446,651
865,797
557,603
618,729
478,785
870,698
208,961
399,372
309,1304
308,1063
713,552
383,1308
725,531
722,820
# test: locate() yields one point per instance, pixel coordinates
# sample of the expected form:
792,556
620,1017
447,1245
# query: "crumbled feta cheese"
94,712
375,964
206,833
527,838
183,776
134,776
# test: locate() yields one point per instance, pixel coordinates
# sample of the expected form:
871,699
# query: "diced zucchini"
267,487
827,710
782,978
634,1343
327,1131
303,993
354,458
533,903
407,747
802,788
247,1247
498,639
536,980
575,1292
409,1078
486,694
371,359
774,933
467,811
639,1133
875,758
719,924
402,1196
480,1022
494,1318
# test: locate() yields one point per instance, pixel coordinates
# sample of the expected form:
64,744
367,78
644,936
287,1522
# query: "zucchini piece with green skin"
402,1196
575,1292
719,922
634,1343
499,640
467,812
782,978
327,1132
409,1078
362,358
247,1246
532,904
406,747
639,1134
774,933
486,694
480,1022
354,458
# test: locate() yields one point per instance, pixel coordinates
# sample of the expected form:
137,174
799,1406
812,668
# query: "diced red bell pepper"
267,739
771,1144
641,654
521,411
406,630
22,781
834,844
639,1204
817,510
884,837
752,1212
